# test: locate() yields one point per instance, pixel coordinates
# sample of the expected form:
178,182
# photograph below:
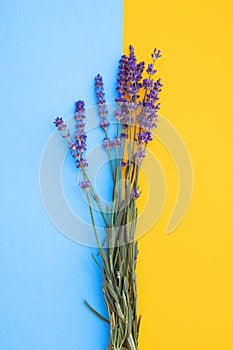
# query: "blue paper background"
50,51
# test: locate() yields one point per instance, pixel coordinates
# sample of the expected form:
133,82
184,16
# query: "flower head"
156,54
80,145
104,124
150,70
135,71
99,89
60,124
144,136
148,84
102,109
80,106
122,79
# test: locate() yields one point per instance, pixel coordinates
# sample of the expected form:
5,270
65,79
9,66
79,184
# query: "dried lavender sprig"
121,87
122,79
126,78
100,94
148,118
77,148
134,76
135,71
102,111
80,138
148,83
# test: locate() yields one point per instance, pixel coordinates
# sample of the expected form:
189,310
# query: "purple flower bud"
104,124
107,144
79,115
80,125
102,110
123,163
72,146
124,136
148,84
84,185
80,136
81,163
117,142
144,121
60,124
135,193
99,89
144,137
118,115
150,70
80,148
80,105
158,85
98,82
156,54
140,154
125,126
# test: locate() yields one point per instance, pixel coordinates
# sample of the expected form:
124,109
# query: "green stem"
92,219
95,197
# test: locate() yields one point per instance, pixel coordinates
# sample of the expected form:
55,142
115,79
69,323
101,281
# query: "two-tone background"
50,52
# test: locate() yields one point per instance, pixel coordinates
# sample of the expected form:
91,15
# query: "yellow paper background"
185,279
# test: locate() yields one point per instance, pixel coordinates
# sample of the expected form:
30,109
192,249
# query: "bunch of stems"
137,113
119,262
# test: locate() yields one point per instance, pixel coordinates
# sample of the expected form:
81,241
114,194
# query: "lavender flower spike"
122,79
79,110
135,71
79,147
144,136
99,90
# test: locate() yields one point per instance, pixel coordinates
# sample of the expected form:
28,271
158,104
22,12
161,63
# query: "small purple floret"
80,106
81,163
107,144
84,185
104,124
117,142
144,136
150,70
140,154
135,193
60,124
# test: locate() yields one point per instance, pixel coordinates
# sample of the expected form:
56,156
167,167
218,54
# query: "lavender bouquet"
136,116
